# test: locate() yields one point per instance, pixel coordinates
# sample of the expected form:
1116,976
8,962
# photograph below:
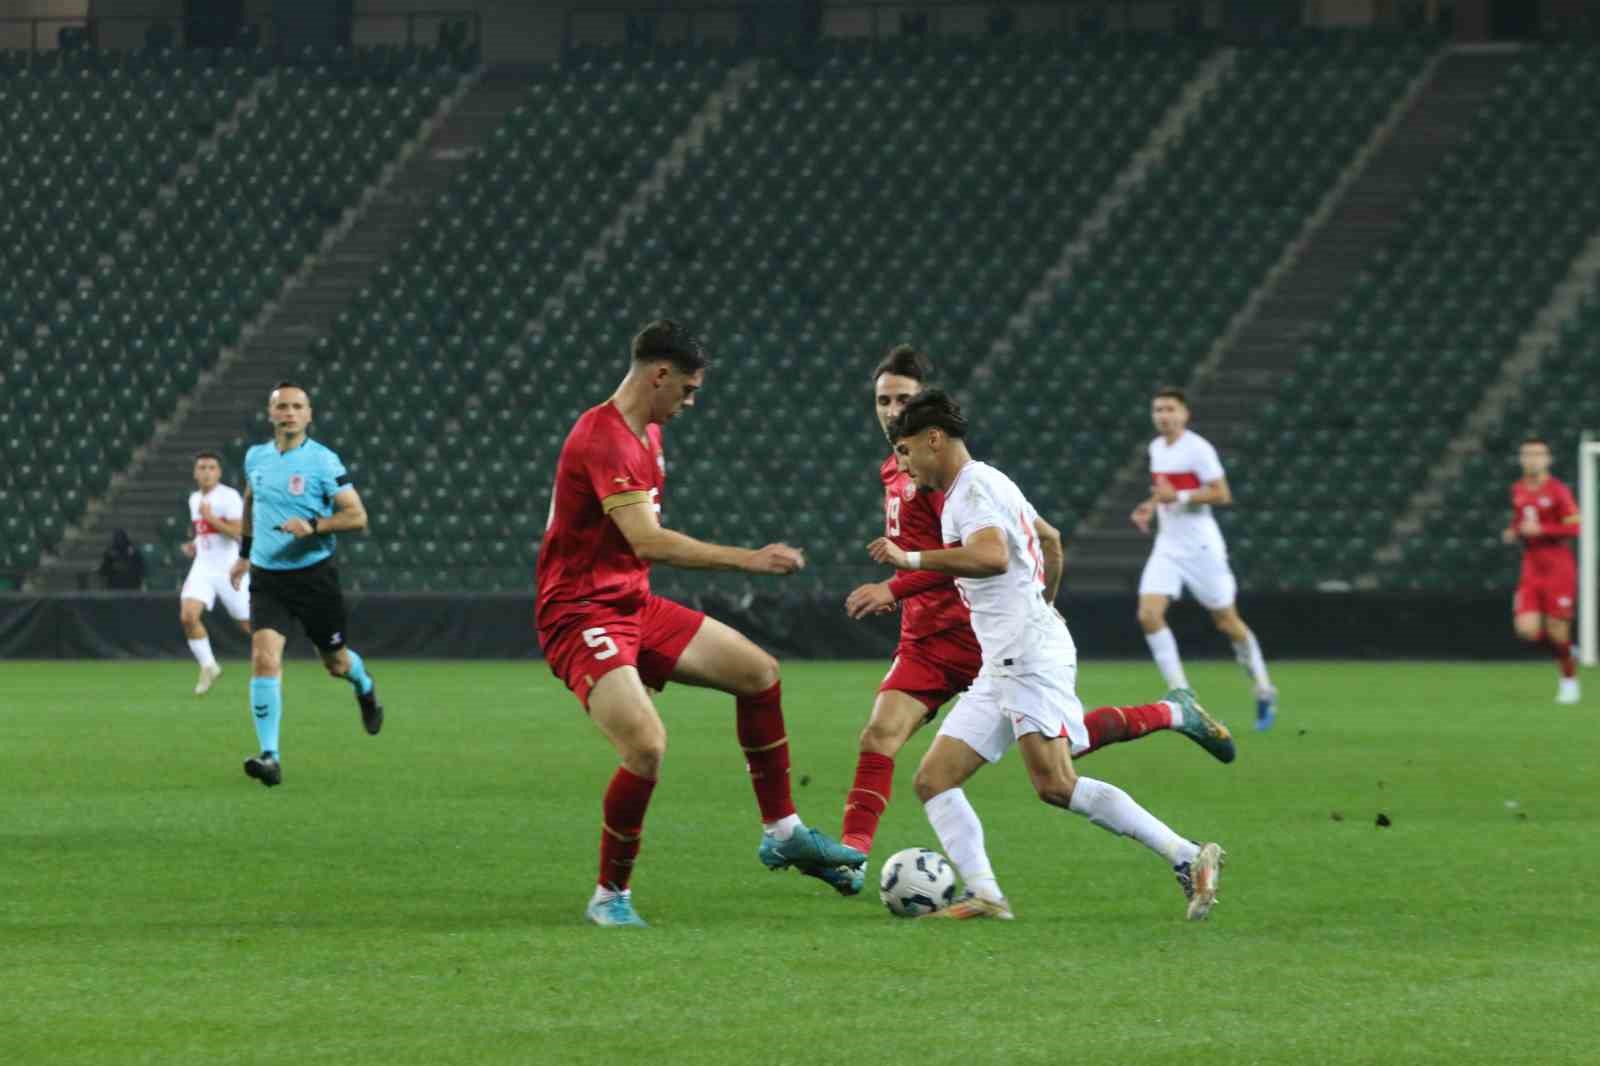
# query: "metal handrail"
269,23
935,9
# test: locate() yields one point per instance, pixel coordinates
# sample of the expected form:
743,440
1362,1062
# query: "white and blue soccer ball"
915,882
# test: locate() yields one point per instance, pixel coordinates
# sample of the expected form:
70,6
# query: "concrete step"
1263,354
222,409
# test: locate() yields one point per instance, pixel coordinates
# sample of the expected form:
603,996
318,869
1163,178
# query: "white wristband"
913,560
1185,495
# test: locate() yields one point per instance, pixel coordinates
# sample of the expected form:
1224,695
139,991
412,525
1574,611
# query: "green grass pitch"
416,897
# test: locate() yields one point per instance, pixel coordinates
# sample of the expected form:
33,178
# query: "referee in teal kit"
297,496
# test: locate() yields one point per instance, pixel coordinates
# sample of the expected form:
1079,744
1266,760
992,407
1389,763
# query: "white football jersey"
1014,625
214,550
1189,463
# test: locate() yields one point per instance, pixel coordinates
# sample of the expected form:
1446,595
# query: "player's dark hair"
926,410
1534,438
292,385
906,362
1171,392
208,455
672,341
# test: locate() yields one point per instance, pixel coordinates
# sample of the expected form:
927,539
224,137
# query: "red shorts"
582,648
934,669
1552,595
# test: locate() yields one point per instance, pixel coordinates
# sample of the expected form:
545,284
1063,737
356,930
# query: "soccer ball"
915,882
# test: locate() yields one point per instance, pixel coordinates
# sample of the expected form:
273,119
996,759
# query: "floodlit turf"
415,898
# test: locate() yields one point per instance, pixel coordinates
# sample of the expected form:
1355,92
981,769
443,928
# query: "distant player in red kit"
938,656
1544,518
612,641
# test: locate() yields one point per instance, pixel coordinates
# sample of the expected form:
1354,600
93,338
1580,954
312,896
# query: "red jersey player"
1544,517
938,655
610,639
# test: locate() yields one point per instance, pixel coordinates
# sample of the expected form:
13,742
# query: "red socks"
626,799
1112,725
1562,650
766,751
867,799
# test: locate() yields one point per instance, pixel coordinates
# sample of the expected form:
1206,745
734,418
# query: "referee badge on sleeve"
297,484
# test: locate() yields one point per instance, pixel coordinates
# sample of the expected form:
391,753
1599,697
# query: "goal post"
1588,549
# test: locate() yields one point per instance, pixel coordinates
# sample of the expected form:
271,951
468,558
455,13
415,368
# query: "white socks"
1108,807
202,651
1164,647
961,835
784,827
1248,652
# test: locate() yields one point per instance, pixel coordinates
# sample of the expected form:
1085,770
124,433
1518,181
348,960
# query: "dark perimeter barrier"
1299,625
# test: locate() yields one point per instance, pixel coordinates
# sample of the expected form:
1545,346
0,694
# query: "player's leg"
1159,585
199,641
1247,653
720,657
895,717
622,710
919,681
266,700
1057,783
1528,626
973,733
947,765
194,600
1179,711
1558,633
1211,580
322,611
236,601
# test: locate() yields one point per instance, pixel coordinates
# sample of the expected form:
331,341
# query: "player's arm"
635,516
1568,521
1055,556
880,597
230,527
241,565
349,513
1215,493
983,554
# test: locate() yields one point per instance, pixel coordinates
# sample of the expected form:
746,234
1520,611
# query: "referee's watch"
313,524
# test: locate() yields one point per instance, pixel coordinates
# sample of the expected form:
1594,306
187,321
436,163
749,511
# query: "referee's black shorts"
310,596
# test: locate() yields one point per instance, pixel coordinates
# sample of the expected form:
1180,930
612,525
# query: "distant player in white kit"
216,514
1026,691
1187,480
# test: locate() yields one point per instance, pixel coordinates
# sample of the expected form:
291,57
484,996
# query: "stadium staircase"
1259,352
1435,330
148,500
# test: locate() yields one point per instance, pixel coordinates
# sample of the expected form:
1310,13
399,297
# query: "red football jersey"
1552,504
584,559
929,601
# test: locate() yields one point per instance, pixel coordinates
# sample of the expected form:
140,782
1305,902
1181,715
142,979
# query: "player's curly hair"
672,341
927,410
904,361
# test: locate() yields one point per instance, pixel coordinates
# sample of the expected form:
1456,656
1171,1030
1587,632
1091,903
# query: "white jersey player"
216,514
1187,480
1026,691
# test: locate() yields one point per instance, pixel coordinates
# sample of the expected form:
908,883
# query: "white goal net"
1588,538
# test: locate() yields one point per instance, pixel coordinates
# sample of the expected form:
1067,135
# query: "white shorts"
1206,574
1000,707
209,585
